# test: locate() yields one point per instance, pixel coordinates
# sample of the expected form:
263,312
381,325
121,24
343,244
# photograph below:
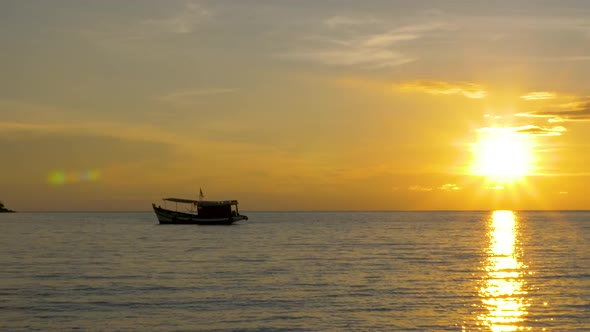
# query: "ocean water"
297,271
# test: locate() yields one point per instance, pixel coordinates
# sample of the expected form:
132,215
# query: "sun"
503,155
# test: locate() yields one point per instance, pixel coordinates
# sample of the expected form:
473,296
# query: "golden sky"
295,105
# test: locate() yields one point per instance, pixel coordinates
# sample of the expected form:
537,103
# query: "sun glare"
502,155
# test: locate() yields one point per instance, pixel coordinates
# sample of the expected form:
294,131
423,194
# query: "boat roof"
200,203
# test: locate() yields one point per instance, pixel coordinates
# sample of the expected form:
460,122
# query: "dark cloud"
576,111
540,131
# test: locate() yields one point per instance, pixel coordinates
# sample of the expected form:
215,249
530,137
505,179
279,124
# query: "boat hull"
169,217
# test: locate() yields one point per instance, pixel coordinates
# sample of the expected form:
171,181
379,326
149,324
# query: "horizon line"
297,211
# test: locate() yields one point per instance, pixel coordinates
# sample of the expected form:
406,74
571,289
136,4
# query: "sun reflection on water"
503,291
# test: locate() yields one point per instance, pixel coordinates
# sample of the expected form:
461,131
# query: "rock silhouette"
3,209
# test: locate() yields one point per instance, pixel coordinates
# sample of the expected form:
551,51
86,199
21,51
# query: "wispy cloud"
108,129
574,111
340,21
346,42
185,96
363,57
531,130
180,21
467,89
184,21
539,95
182,143
367,51
420,188
571,58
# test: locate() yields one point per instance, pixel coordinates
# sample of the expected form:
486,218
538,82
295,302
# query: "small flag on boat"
201,196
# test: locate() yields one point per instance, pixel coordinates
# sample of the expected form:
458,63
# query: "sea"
297,271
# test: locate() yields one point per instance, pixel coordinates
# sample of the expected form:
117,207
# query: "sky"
295,105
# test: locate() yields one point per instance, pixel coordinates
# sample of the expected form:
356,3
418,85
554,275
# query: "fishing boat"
206,213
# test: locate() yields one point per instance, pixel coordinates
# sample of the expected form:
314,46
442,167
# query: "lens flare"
60,178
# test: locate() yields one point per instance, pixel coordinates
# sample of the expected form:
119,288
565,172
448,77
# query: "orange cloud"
467,89
539,95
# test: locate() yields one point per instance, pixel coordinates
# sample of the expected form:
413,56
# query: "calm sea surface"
297,271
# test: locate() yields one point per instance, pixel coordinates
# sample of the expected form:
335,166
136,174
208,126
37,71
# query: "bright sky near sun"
295,105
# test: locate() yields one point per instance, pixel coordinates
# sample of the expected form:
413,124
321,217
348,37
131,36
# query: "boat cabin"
209,209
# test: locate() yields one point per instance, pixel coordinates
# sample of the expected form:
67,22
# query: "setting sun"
503,155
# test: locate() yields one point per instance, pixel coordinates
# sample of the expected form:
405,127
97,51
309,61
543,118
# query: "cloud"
189,95
371,51
540,131
105,129
467,89
531,130
538,95
343,43
419,188
449,187
182,22
365,57
574,111
124,35
444,187
340,21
